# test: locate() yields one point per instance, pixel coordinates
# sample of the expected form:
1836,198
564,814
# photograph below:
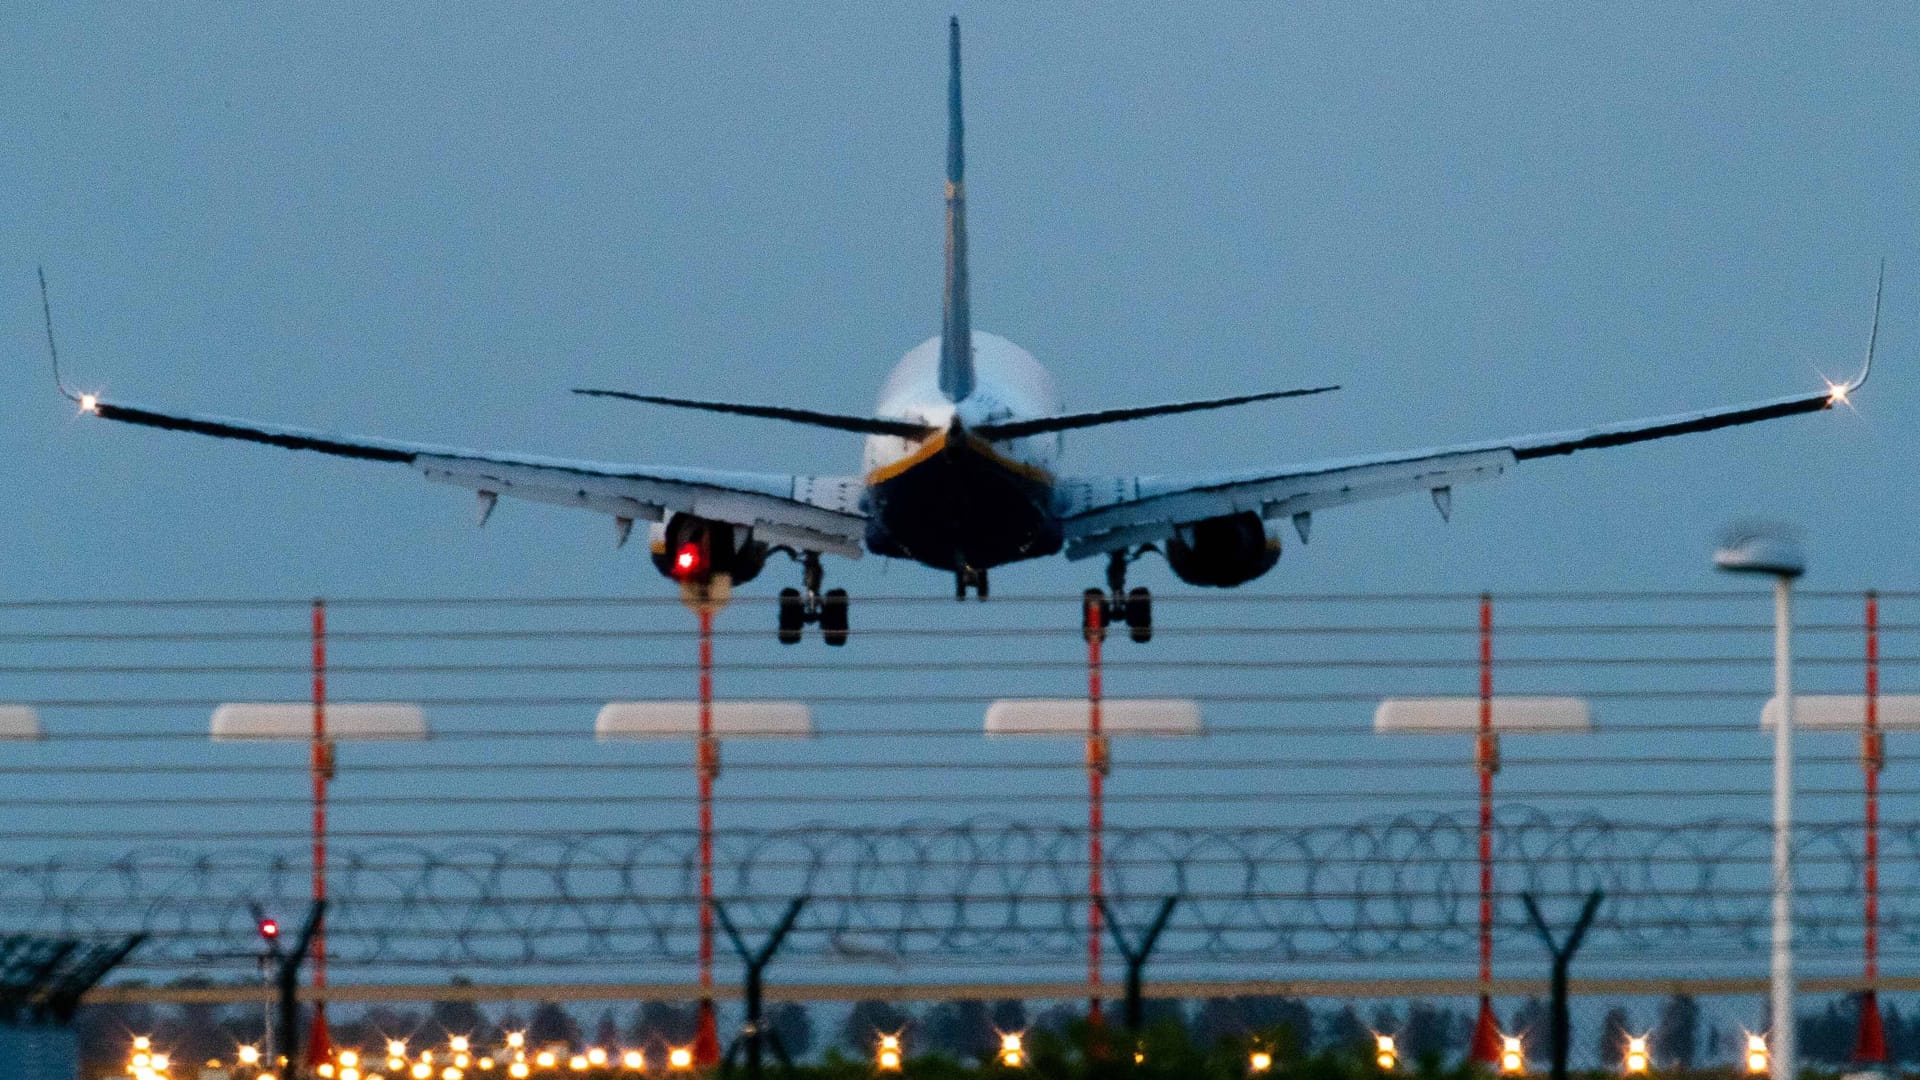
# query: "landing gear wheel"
1093,615
1140,615
833,617
793,616
969,578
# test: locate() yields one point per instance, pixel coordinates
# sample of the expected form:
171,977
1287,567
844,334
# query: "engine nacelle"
1223,551
690,548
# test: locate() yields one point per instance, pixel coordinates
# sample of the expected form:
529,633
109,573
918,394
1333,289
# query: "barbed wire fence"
514,844
984,891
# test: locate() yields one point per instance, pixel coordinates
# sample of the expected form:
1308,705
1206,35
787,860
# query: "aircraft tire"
833,617
1093,615
793,616
1140,615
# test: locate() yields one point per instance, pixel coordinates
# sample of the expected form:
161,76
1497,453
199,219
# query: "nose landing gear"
1118,604
969,578
798,607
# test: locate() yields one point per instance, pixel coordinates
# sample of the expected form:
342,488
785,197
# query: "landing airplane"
960,471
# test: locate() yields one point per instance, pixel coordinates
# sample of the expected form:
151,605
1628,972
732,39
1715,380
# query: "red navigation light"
269,929
690,560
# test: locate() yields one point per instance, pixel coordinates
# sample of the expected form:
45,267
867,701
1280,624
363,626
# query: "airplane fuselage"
953,500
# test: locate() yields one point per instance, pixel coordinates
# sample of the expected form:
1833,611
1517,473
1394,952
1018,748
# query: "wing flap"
814,513
1157,507
1113,514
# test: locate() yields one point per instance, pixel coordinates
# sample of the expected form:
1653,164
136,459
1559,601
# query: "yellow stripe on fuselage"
934,444
1019,468
938,442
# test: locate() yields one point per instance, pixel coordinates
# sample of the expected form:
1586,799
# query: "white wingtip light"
1837,393
90,403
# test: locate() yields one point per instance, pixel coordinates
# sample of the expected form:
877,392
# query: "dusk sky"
431,225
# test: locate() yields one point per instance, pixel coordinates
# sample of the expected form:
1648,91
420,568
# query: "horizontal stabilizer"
865,425
1014,429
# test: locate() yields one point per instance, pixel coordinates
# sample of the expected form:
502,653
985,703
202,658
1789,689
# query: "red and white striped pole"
319,1042
1871,1045
1485,1046
706,1040
1097,765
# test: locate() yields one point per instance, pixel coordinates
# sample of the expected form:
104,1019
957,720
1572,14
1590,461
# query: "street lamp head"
1761,549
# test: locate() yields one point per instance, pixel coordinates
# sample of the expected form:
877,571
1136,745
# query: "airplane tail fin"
956,317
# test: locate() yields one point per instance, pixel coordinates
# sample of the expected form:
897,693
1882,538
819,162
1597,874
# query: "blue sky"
430,225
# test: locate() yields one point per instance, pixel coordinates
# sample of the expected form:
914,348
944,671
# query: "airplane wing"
811,513
1105,514
1117,513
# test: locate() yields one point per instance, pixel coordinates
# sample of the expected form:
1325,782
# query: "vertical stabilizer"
956,320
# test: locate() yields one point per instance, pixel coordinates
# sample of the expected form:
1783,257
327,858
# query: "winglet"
53,350
1873,335
1838,393
956,316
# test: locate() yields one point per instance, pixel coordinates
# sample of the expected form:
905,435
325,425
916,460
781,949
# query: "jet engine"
1223,551
690,548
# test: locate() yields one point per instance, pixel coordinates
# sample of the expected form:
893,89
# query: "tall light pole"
1759,552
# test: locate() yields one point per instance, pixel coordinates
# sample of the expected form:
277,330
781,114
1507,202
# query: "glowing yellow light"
451,1073
1259,1061
1757,1057
1513,1059
486,1064
396,1048
680,1057
1012,1050
325,1068
142,1042
1635,1059
141,1061
516,1039
249,1055
458,1044
887,1057
422,1070
634,1059
161,1063
545,1059
578,1063
349,1059
396,1063
1139,1056
518,1070
426,1056
462,1060
349,1073
596,1056
264,1076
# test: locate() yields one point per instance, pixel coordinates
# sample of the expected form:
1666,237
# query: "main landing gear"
1118,604
798,607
